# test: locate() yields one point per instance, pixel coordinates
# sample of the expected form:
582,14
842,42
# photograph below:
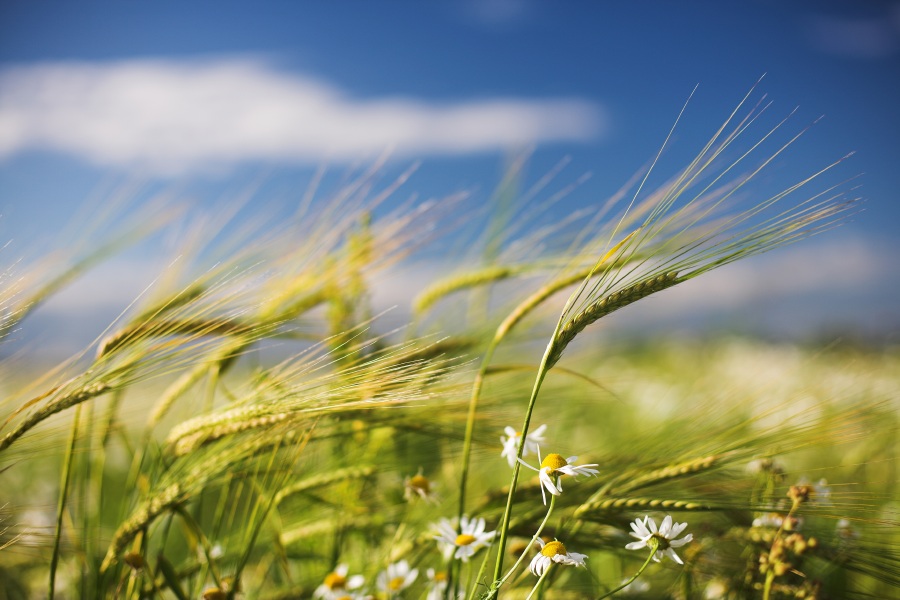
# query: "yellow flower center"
440,576
551,549
554,462
333,581
396,583
420,482
464,539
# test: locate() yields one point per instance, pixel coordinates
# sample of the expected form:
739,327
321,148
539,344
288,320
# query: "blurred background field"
820,413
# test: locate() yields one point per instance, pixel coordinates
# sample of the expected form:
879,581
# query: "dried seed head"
800,493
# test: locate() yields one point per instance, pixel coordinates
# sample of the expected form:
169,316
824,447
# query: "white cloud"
860,38
171,116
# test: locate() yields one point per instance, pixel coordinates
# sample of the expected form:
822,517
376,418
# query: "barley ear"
432,294
614,505
605,306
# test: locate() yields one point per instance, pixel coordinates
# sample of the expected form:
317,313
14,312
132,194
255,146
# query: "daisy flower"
554,552
661,540
438,581
419,486
397,577
467,542
510,443
337,582
553,467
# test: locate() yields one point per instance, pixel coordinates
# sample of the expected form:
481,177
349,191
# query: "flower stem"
504,529
539,582
534,538
633,577
770,577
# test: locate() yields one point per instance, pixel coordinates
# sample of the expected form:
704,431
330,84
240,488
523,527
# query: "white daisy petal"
666,527
640,529
636,545
548,482
676,530
538,565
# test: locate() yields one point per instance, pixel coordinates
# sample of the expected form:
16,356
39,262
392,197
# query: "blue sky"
96,93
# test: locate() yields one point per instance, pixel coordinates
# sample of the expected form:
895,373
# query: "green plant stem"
257,519
481,569
539,582
534,538
633,577
767,589
504,528
63,499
